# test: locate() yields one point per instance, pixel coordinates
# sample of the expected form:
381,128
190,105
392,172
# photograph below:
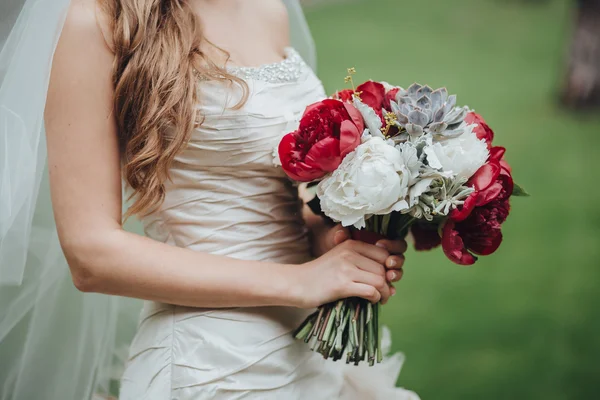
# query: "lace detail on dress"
287,70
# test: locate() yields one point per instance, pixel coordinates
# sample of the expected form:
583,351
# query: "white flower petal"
461,156
432,158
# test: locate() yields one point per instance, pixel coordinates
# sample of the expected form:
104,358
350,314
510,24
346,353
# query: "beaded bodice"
287,70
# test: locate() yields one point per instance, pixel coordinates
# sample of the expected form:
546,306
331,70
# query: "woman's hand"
350,269
329,237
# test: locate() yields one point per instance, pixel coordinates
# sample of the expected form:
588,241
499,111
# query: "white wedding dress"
227,196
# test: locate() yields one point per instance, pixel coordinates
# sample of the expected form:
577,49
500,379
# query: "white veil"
55,342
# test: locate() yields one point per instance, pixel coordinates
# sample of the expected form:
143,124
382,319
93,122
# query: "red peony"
482,130
479,233
371,93
476,226
328,131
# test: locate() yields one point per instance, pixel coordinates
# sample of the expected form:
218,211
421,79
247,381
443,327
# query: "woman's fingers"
339,234
394,265
375,280
394,262
366,264
375,253
394,275
364,291
393,246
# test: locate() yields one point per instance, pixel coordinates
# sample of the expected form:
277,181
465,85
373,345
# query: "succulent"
442,196
420,109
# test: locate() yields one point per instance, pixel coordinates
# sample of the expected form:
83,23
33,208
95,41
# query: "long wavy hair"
159,63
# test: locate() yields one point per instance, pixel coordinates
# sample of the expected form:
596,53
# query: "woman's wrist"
287,285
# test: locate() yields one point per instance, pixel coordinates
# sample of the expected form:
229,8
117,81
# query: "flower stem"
326,322
378,333
305,329
361,336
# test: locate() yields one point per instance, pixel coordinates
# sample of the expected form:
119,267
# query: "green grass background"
524,322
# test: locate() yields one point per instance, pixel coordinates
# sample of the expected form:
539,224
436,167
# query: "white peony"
461,156
373,179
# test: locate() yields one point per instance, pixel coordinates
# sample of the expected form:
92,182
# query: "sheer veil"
55,342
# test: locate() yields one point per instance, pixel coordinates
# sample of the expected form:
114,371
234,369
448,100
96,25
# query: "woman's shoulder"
82,51
88,22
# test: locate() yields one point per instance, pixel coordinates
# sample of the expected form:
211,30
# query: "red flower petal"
505,165
286,152
507,181
312,107
453,246
324,155
286,145
372,94
485,176
487,246
331,103
304,173
301,172
460,214
349,137
356,117
496,153
293,166
489,194
390,96
344,95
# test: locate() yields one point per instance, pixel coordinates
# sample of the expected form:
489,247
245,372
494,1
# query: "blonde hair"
158,64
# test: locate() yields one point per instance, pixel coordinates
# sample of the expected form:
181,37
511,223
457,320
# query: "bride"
185,102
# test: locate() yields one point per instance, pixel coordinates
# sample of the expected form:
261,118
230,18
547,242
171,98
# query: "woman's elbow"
83,279
84,254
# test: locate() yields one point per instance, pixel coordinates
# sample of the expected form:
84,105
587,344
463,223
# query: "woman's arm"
84,168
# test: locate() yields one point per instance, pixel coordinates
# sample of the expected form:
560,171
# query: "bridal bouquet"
389,161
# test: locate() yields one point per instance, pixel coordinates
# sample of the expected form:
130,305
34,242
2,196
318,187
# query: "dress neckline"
286,70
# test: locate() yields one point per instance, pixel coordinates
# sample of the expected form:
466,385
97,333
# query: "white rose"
461,156
373,179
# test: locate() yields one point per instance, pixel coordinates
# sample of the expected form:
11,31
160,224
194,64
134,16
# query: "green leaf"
519,191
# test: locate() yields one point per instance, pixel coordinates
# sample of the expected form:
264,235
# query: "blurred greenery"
524,322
